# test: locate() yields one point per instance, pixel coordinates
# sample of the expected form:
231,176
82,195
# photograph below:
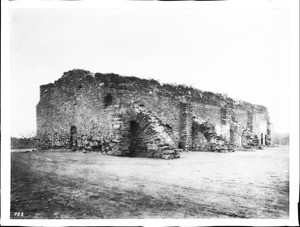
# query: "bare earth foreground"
62,184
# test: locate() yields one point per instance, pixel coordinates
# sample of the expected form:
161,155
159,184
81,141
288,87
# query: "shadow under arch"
142,129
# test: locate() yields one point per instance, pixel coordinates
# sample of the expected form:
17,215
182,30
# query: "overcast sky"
241,52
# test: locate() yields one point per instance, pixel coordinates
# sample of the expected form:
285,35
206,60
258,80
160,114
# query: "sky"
241,52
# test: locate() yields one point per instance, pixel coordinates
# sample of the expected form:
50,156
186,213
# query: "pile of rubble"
153,134
152,123
207,129
164,152
218,147
249,139
214,142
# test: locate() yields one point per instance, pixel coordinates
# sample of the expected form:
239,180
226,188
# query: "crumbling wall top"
131,83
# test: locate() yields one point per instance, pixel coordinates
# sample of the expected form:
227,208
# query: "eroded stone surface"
128,116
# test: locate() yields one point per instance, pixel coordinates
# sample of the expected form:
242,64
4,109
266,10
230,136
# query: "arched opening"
107,101
262,139
202,133
180,146
73,135
207,129
143,134
198,138
137,146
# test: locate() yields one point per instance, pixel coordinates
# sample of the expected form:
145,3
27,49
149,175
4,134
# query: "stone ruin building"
128,116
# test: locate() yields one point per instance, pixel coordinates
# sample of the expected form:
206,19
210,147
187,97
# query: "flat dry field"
62,184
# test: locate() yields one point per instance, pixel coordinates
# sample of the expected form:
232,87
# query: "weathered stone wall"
206,113
72,101
117,115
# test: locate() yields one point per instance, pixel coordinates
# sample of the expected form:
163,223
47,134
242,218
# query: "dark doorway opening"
137,147
73,135
108,99
198,138
180,145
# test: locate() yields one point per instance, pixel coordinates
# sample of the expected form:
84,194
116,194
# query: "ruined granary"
128,116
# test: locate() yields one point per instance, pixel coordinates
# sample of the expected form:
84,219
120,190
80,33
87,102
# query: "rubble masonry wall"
101,110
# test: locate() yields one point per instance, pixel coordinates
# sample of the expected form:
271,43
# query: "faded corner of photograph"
149,114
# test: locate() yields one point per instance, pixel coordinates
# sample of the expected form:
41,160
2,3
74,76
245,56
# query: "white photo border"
291,5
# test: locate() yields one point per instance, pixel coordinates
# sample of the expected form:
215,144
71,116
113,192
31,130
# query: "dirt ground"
62,184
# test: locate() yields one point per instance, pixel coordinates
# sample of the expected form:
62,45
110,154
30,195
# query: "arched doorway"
137,146
202,132
262,139
142,133
73,136
198,139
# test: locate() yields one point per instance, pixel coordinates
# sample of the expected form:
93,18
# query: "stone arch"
213,142
207,129
202,132
141,132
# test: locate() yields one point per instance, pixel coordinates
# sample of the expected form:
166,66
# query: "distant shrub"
23,143
280,138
